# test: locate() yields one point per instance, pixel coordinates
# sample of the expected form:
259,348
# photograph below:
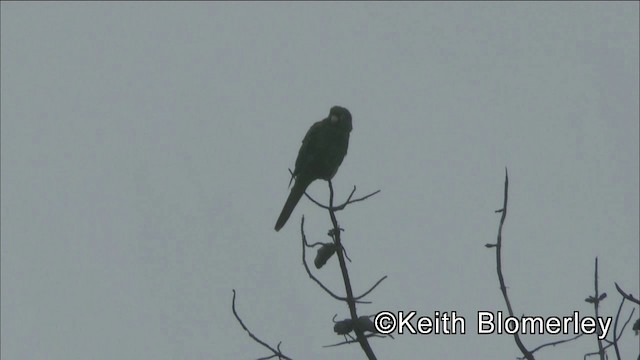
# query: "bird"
321,153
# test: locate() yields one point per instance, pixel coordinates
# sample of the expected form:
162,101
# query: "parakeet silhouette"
321,153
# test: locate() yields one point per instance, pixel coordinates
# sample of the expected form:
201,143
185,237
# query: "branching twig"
591,299
306,267
596,303
340,207
553,343
276,352
627,296
527,354
615,329
354,341
351,302
612,342
335,233
343,205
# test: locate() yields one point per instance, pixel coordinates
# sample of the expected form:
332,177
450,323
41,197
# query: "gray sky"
145,149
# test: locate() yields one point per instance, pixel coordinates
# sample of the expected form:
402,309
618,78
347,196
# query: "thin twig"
596,303
343,205
351,302
354,341
306,267
371,289
554,343
527,354
615,329
611,342
340,207
277,352
627,296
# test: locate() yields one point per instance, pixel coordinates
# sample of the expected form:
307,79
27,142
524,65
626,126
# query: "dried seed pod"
325,252
343,327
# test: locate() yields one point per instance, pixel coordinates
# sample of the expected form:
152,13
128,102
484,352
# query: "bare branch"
616,336
306,267
554,343
343,205
527,354
612,342
627,296
354,341
615,329
277,352
362,339
371,289
596,303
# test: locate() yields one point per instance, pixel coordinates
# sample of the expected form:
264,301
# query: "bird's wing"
311,145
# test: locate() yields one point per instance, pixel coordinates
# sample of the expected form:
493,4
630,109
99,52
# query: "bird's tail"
296,193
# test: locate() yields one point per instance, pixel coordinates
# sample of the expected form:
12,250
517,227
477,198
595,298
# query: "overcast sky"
145,149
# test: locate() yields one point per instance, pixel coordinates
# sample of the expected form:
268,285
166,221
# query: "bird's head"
340,117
